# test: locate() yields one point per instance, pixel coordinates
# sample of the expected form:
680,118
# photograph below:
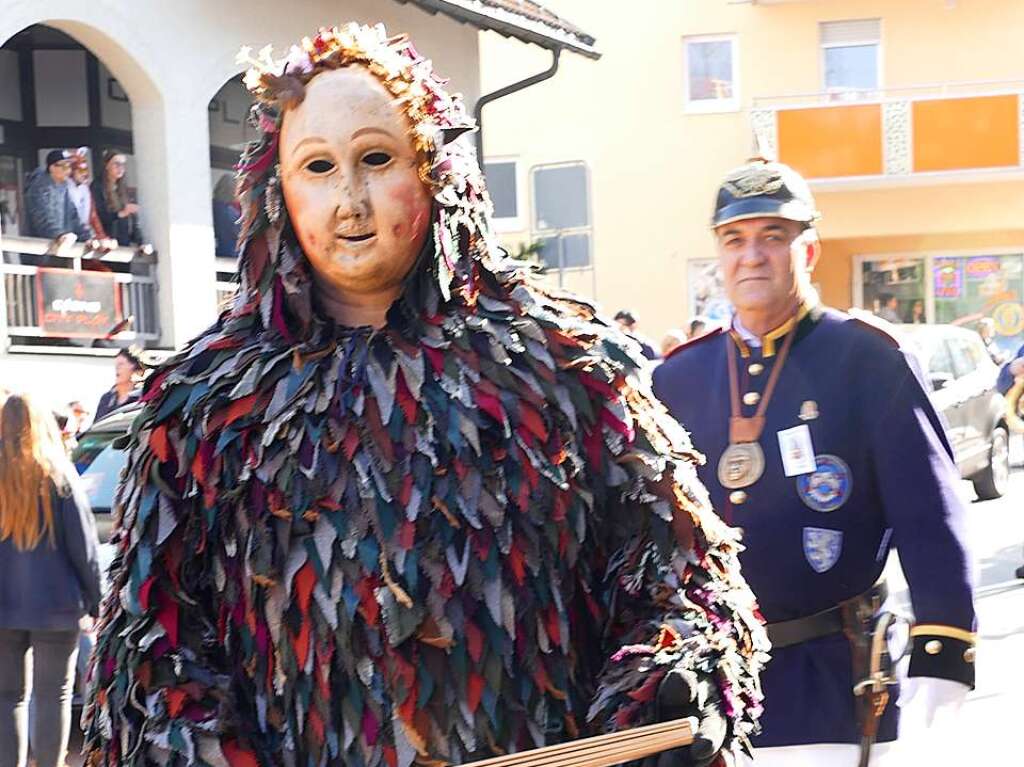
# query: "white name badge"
797,451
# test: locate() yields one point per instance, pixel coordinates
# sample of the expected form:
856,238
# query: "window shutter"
851,32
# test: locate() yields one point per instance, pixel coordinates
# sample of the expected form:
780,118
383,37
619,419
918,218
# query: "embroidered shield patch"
827,488
822,548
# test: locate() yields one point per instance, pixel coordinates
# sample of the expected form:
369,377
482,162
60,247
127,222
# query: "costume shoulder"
868,325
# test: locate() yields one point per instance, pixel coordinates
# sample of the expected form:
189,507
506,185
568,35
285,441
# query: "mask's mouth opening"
357,238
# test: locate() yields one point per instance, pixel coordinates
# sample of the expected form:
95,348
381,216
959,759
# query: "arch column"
172,155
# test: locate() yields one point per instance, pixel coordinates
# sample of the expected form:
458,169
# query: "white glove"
924,699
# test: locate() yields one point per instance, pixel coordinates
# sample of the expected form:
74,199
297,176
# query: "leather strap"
743,429
824,623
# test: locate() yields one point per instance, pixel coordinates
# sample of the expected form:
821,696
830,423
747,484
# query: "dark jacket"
225,228
108,402
49,588
125,230
49,208
884,477
1005,382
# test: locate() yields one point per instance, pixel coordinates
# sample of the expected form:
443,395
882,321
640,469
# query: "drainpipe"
507,91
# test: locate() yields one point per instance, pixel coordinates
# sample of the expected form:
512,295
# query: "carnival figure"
400,504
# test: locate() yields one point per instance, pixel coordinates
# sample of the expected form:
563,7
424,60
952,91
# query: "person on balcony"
51,211
80,193
118,215
225,217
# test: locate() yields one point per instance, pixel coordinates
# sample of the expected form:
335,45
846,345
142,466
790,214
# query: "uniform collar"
745,339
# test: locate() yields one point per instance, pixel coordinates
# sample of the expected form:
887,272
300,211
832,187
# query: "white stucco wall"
171,59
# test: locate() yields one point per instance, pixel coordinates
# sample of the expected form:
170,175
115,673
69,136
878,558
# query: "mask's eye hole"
320,166
377,158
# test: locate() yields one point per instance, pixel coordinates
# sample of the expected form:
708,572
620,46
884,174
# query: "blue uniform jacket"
1005,381
885,477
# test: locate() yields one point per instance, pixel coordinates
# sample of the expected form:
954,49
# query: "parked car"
963,379
99,458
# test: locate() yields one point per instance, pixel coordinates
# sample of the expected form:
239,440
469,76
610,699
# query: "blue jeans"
53,674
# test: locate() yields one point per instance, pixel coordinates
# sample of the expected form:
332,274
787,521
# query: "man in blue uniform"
1011,372
822,446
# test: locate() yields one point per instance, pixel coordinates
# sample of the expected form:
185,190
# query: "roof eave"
521,28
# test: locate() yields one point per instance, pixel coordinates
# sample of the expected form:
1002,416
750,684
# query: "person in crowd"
628,324
890,308
674,338
128,368
118,215
414,507
698,327
50,210
226,214
78,417
81,193
987,331
49,583
917,314
825,466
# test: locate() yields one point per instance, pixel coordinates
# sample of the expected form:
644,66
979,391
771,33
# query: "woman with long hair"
49,582
118,215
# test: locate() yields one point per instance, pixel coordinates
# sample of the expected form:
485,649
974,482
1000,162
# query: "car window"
964,362
939,361
90,445
101,475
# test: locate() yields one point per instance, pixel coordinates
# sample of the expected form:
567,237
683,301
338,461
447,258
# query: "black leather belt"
830,621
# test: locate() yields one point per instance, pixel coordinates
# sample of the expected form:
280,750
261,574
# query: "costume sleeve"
1005,381
918,484
676,598
75,223
82,544
158,684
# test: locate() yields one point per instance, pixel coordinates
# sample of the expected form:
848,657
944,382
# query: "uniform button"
933,647
737,497
751,398
969,655
755,368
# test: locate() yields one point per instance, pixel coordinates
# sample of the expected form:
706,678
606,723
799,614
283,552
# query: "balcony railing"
135,290
898,132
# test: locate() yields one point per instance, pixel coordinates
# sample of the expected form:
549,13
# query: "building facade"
159,83
907,117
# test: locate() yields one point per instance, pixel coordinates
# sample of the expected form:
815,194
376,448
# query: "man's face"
350,177
80,175
764,261
59,171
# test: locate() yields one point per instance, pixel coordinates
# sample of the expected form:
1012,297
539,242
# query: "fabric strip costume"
470,532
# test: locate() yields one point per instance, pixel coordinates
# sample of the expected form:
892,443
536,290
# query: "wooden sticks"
603,750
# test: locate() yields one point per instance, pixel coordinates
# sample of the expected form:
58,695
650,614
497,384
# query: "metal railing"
136,293
838,97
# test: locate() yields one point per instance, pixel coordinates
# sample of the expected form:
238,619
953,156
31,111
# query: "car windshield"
90,445
101,475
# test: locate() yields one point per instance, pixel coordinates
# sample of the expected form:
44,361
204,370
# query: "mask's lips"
357,237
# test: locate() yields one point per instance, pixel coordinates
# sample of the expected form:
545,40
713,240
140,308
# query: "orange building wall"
826,142
954,134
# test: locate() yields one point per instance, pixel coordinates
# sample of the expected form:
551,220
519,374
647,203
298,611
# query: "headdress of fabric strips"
273,272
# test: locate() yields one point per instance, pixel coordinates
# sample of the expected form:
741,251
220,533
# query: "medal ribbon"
742,429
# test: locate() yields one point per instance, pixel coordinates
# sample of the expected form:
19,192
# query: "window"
891,287
561,199
851,54
710,72
503,186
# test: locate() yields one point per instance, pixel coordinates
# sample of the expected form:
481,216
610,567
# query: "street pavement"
984,732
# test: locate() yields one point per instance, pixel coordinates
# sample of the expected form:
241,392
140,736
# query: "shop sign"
76,304
980,267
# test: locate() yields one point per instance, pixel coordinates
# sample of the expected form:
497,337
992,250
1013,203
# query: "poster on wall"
948,279
76,304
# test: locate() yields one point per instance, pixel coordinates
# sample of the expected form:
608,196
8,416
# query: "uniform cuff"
942,652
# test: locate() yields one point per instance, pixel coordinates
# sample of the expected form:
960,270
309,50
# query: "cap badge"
808,410
753,181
